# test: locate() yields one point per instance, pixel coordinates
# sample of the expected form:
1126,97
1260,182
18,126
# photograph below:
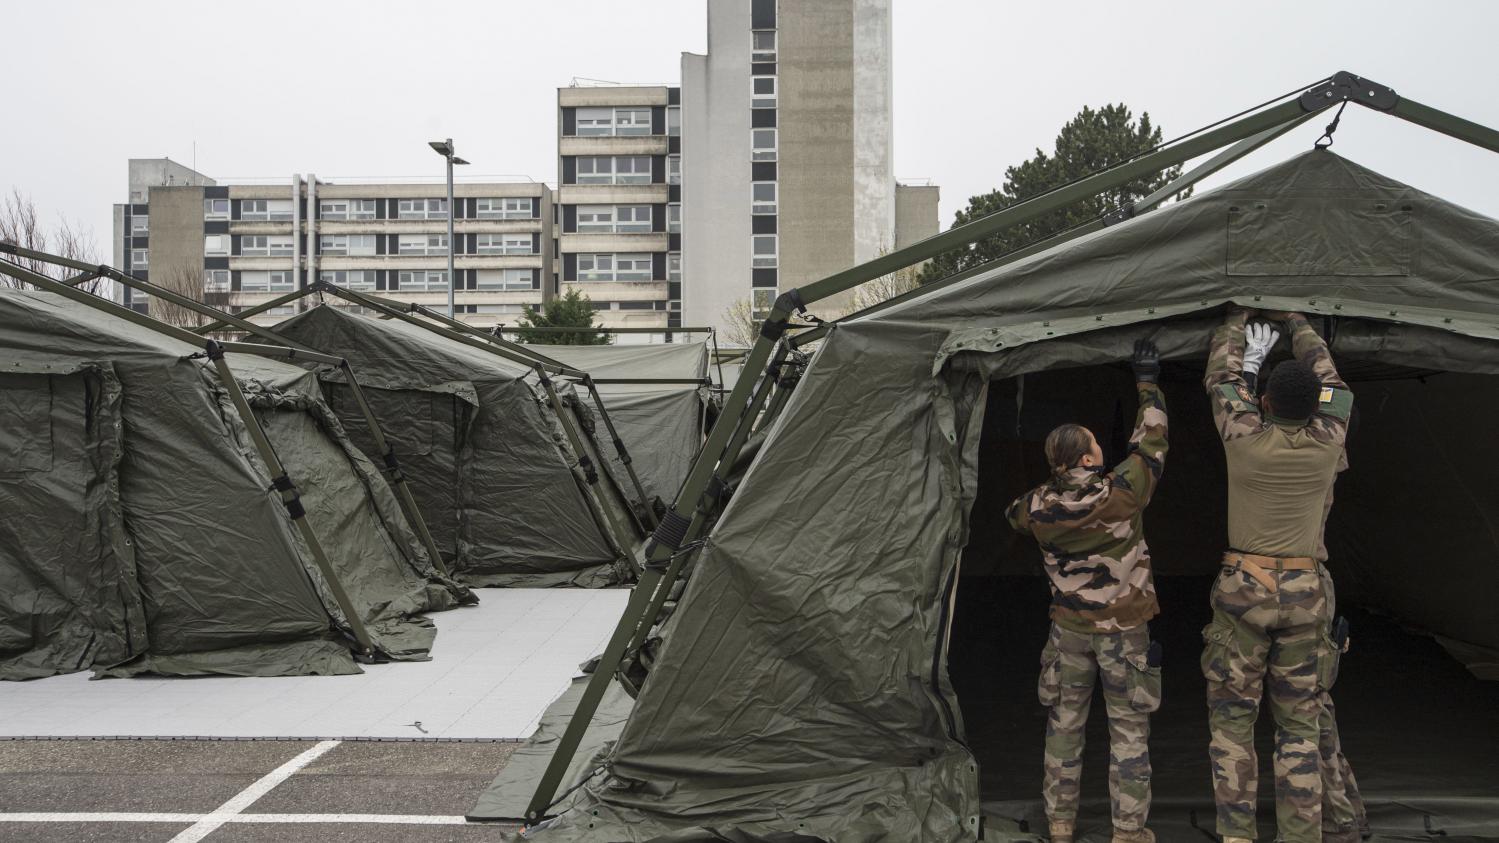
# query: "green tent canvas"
482,449
804,689
660,424
141,533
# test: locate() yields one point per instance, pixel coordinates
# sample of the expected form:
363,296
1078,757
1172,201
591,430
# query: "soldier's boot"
1062,830
1133,835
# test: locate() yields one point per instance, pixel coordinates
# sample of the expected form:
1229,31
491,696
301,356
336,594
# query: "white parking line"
245,798
125,817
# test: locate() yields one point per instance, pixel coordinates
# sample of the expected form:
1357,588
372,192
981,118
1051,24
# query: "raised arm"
1336,405
1234,410
1140,472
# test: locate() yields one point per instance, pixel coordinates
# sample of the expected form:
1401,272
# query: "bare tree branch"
21,224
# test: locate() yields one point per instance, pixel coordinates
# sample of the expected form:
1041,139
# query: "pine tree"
571,310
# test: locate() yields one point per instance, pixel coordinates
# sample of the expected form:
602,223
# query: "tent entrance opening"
1412,532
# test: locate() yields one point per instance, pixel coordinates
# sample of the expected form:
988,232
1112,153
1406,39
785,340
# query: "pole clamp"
789,301
590,473
670,533
213,350
293,503
619,448
1347,87
393,466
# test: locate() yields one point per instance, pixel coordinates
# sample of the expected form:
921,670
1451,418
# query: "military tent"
854,657
141,532
483,450
657,395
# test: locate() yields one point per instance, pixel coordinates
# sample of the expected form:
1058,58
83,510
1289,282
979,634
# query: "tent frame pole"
624,457
667,540
215,353
290,498
258,309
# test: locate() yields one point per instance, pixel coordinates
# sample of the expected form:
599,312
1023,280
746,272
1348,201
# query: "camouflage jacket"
1088,523
1280,472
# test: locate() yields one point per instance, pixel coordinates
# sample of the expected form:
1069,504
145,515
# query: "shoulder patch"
1337,403
1235,399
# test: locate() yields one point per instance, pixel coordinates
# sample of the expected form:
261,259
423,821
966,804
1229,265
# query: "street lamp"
445,149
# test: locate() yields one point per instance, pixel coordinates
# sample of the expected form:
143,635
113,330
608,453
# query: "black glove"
1147,362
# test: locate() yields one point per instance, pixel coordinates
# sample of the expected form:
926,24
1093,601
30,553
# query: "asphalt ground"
220,791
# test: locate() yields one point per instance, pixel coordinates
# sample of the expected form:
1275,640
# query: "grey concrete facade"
816,73
916,213
249,243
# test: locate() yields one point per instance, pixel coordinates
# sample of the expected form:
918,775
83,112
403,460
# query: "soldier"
1271,610
1087,520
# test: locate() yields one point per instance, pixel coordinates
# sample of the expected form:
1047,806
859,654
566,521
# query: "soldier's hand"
1259,338
1146,362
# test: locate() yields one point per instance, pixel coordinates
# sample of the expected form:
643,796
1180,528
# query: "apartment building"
248,243
787,147
619,200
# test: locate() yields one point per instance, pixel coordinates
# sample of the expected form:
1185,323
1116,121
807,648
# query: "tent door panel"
68,597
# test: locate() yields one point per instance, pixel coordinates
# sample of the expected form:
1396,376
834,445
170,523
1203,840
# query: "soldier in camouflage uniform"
1087,520
1271,605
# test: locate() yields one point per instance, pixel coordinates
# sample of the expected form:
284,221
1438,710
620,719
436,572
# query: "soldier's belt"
1261,567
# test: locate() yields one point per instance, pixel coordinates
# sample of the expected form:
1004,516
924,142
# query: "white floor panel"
495,667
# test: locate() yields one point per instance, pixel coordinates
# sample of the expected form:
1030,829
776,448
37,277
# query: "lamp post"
445,149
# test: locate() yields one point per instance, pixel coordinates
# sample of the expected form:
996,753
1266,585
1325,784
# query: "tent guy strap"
666,542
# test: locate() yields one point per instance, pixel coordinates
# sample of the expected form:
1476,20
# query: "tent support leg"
624,455
658,556
289,498
258,309
700,513
612,529
394,472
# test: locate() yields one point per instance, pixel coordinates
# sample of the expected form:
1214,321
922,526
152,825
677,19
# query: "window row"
361,245
613,169
615,122
614,267
277,210
283,281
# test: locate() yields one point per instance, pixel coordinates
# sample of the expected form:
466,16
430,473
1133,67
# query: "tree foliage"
1091,141
570,310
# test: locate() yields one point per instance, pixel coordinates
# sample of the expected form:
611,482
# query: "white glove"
1259,338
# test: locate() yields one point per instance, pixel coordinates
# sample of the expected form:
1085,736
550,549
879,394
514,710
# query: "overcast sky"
271,88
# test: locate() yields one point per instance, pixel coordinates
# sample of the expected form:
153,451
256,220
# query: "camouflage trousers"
1343,813
1071,664
1276,639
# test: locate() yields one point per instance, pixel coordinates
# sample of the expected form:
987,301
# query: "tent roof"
657,360
1315,231
48,317
395,354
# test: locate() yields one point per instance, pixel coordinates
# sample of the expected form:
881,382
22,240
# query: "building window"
140,258
764,251
216,281
215,209
763,197
215,245
140,225
265,210
353,279
347,209
266,246
503,279
499,308
604,121
347,244
763,299
422,244
277,281
674,120
280,310
763,45
614,219
503,244
762,144
673,169
674,218
762,92
674,266
616,169
422,209
631,267
423,279
508,208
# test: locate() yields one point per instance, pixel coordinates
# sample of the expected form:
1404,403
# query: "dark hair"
1066,445
1294,390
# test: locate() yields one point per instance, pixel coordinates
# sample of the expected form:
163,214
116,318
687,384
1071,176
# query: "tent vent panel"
26,437
1302,235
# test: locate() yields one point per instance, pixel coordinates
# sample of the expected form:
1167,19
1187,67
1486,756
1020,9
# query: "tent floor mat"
1420,731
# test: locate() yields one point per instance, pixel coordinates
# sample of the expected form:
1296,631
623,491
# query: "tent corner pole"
290,498
624,454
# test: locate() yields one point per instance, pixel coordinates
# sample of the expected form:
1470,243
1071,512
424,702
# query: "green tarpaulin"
660,424
481,447
140,530
803,689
